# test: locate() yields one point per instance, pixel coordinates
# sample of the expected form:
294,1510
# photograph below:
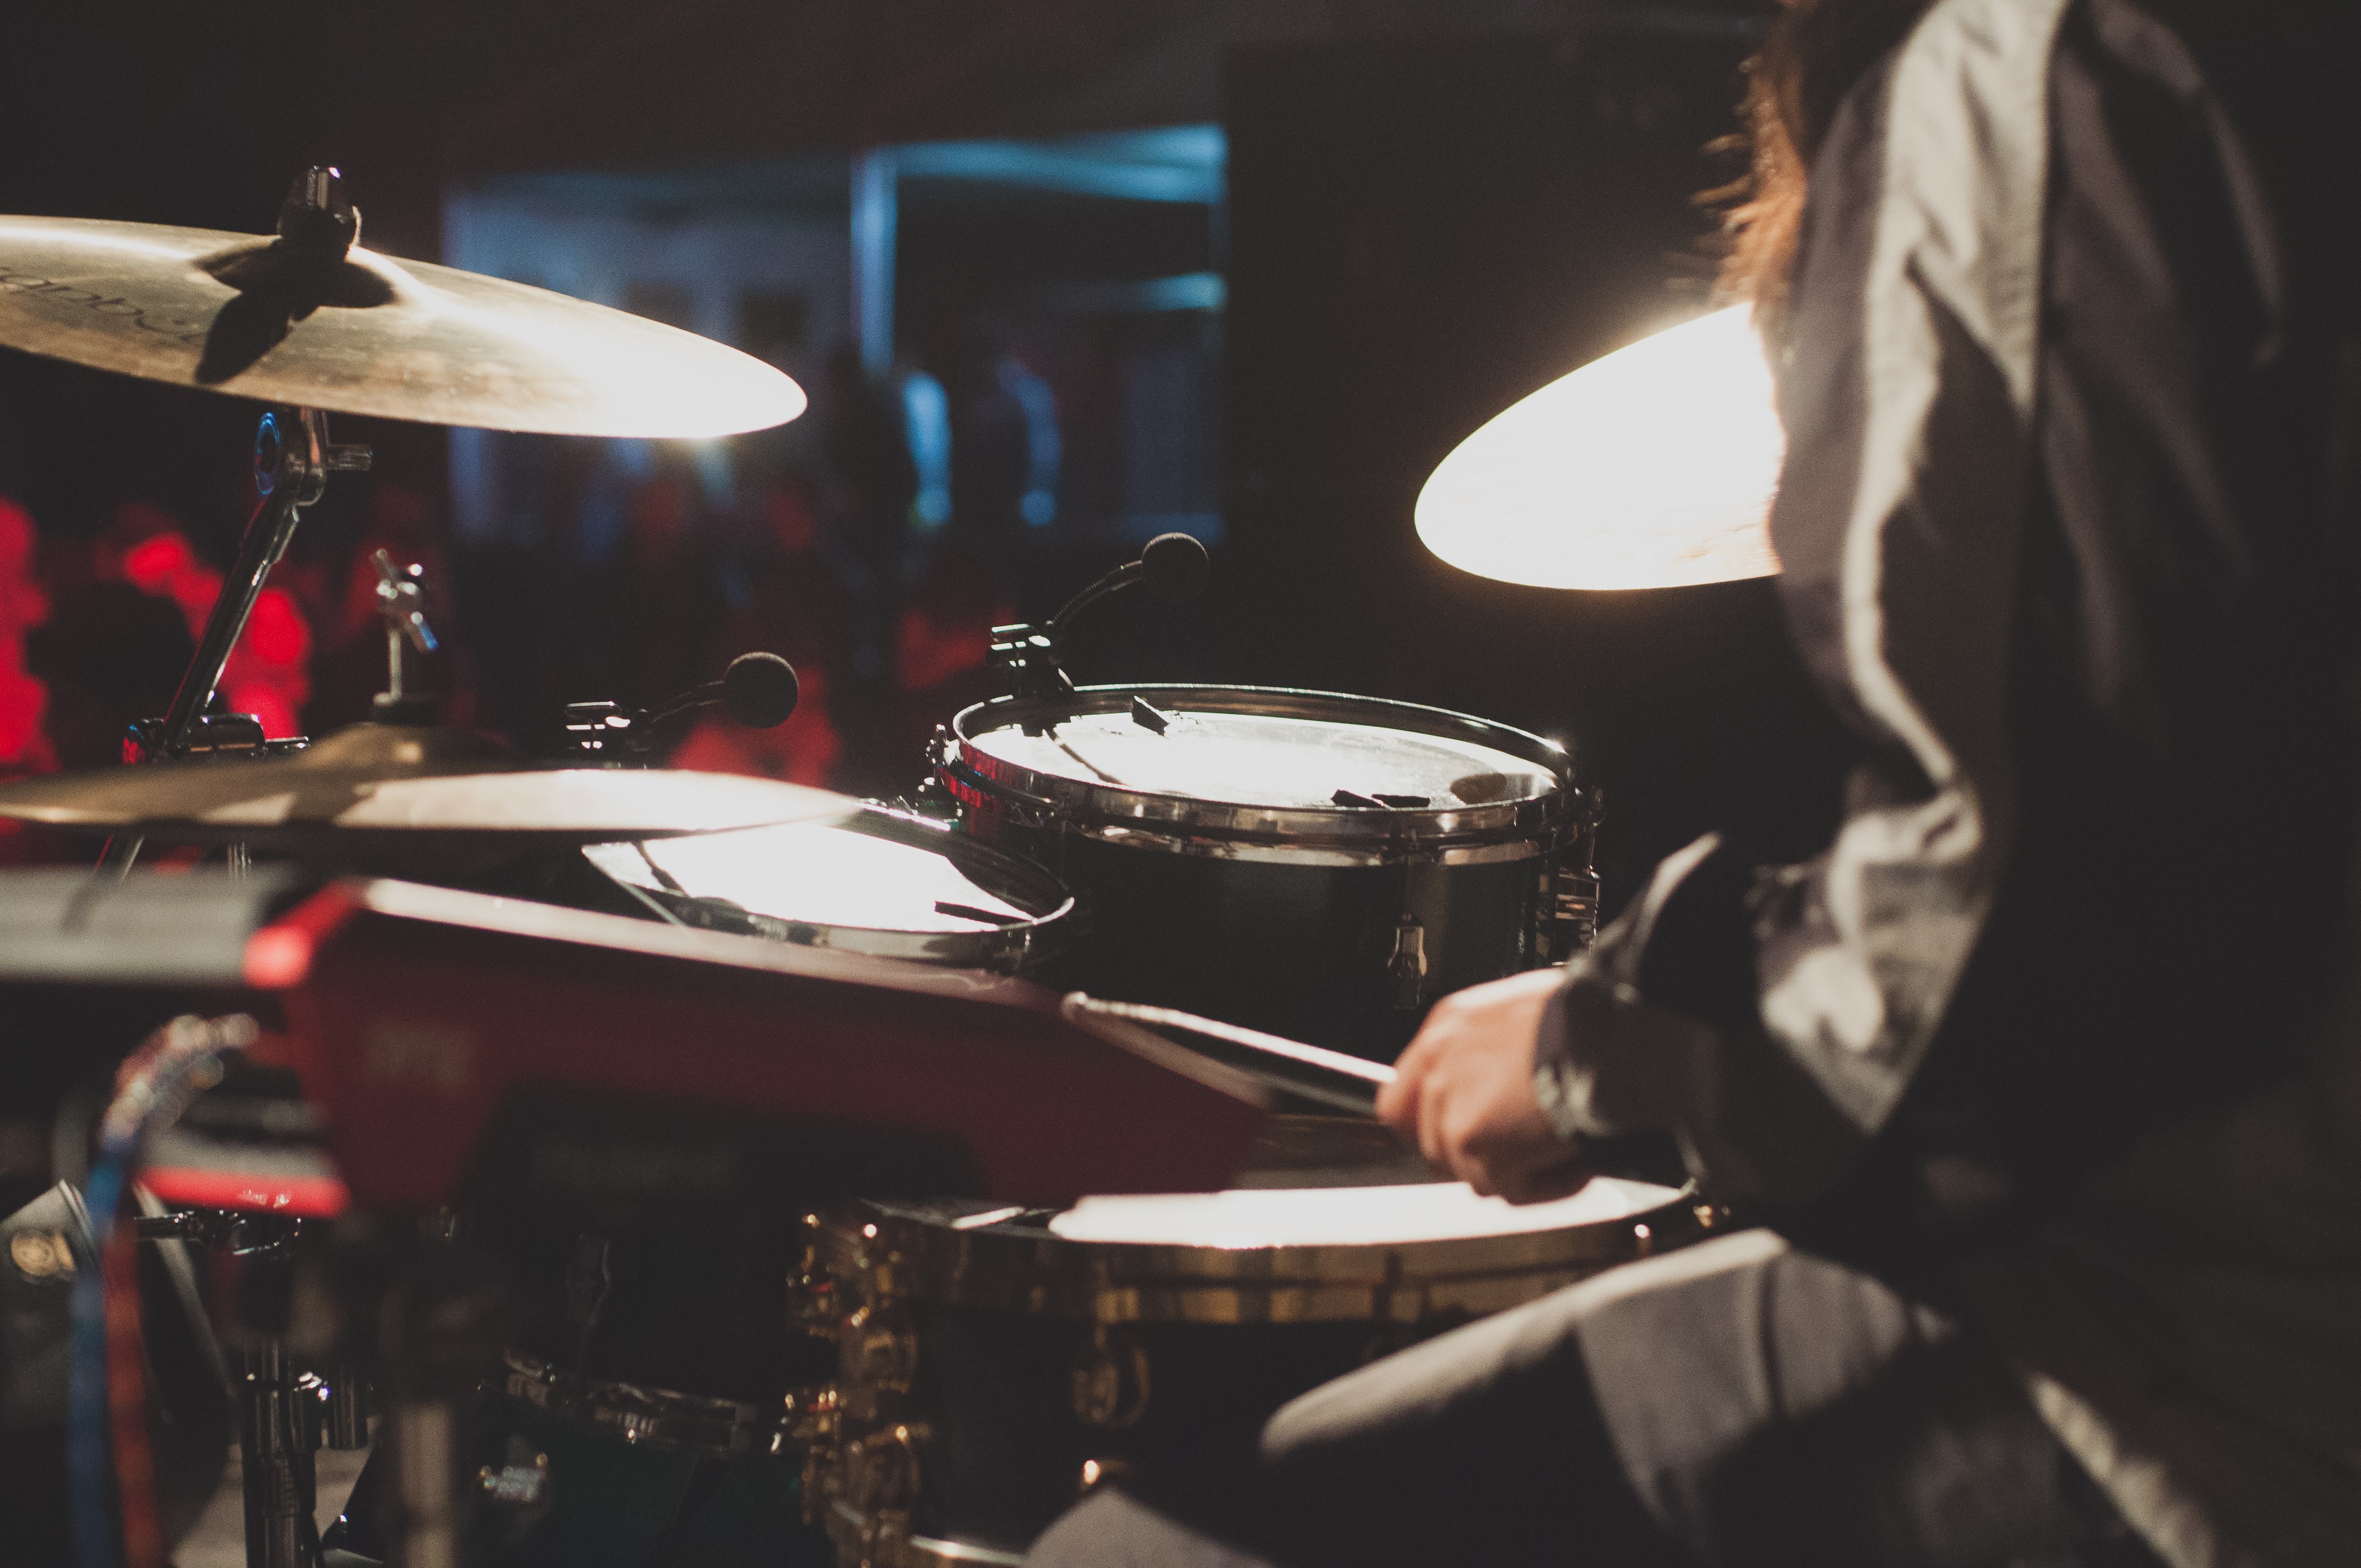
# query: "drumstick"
1315,1072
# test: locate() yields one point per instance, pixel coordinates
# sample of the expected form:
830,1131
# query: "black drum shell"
1295,947
1007,1452
1296,928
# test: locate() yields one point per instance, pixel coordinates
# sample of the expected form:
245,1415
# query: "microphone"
760,690
1174,567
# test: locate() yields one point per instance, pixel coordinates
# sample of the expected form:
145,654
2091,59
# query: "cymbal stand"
280,1421
293,460
441,1323
401,605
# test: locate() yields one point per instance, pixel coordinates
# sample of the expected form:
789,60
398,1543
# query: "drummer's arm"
1659,1027
1656,1029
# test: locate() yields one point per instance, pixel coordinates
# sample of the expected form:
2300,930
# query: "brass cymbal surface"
1652,467
387,779
367,334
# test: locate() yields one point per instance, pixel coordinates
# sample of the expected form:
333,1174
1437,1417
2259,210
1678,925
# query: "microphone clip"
1028,661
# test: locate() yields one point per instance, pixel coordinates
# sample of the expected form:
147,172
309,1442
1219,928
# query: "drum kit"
1251,895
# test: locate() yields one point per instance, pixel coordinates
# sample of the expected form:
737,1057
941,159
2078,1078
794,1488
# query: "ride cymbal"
367,334
1652,467
392,779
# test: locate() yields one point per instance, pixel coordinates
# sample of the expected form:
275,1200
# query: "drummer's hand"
1464,1090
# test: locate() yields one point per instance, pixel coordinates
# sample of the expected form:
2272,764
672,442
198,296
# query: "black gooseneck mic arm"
758,690
1029,661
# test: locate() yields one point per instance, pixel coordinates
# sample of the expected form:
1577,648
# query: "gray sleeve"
1625,1044
1907,375
1772,1019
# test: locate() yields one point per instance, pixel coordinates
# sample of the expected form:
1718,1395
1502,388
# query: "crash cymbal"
389,779
371,335
1652,468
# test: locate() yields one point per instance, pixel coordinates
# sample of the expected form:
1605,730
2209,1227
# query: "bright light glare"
824,875
1343,1216
1652,468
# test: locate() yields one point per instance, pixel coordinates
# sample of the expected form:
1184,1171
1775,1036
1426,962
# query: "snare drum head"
865,884
1345,1216
1284,1254
1317,756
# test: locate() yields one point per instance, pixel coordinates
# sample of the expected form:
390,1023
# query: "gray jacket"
2067,523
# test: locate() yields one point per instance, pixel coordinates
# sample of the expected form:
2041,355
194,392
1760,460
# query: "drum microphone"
1174,567
758,690
1028,659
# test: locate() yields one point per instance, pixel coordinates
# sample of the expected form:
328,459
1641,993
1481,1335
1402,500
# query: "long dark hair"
1816,52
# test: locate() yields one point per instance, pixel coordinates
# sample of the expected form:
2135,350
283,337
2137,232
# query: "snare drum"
1320,866
996,1363
884,882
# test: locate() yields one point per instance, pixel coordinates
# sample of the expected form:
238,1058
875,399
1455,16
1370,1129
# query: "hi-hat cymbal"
377,779
1652,467
372,336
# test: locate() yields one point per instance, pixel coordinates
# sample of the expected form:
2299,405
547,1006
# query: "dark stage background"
1431,212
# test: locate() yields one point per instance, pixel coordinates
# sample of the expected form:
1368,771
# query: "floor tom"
994,1364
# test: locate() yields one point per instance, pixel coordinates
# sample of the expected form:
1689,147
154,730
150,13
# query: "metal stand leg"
440,1333
279,1531
425,1434
348,1410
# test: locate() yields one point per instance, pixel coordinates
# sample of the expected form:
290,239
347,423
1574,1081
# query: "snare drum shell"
1305,951
1336,925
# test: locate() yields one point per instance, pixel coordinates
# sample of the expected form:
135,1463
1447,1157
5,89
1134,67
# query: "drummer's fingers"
1495,1166
1467,1154
1561,1178
1398,1102
1398,1097
1432,1104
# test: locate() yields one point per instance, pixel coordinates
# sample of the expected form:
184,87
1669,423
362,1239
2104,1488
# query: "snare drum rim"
1003,948
905,1253
1154,820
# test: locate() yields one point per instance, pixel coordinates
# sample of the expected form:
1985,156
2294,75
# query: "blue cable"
86,1457
181,1060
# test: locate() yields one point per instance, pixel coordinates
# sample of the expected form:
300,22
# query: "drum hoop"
1004,949
1403,832
1007,1267
1263,849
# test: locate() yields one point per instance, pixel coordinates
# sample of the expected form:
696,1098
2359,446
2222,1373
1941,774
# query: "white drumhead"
819,873
1345,1216
1267,760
